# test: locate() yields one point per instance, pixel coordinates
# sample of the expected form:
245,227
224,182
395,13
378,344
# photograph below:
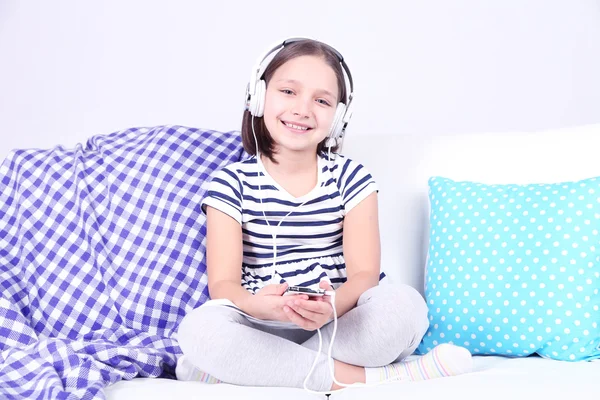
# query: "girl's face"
300,103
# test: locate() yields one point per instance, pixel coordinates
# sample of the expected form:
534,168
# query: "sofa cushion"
515,269
101,255
403,162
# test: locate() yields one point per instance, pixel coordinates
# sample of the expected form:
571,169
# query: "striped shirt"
308,240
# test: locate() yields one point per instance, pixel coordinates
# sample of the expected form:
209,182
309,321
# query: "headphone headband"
255,91
260,67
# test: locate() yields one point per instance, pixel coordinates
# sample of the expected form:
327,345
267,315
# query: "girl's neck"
290,164
297,175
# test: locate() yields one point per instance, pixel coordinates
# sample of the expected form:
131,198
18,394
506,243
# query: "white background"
72,69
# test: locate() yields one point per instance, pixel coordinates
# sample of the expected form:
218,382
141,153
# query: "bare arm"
224,258
362,252
224,251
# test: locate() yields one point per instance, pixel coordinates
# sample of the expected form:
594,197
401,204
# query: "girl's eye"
324,102
286,91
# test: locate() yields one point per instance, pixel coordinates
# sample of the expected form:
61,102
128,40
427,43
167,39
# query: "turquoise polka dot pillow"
514,269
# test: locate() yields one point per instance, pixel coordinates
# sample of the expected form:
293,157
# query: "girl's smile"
296,127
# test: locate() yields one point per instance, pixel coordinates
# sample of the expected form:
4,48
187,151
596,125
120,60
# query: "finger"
325,285
298,319
325,297
272,289
306,323
307,314
318,307
281,288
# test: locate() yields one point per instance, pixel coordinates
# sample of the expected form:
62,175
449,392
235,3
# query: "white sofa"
402,165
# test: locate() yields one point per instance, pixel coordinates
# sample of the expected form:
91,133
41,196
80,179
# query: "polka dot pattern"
514,269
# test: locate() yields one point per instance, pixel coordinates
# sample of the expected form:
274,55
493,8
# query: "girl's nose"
302,108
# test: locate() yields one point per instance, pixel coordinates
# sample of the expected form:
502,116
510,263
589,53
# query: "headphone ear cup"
257,101
336,126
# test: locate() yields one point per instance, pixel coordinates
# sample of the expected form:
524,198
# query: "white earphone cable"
276,228
330,293
345,386
330,362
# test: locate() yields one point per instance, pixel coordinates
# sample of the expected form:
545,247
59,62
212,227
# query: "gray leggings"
386,325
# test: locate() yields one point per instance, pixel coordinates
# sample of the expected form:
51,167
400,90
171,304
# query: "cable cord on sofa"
345,386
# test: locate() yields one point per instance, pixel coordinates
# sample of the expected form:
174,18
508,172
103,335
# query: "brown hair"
296,49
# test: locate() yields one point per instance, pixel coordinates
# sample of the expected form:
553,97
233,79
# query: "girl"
297,213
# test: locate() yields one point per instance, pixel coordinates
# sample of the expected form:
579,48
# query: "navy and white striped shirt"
309,240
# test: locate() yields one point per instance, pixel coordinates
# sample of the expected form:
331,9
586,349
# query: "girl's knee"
419,309
200,329
398,298
402,313
409,308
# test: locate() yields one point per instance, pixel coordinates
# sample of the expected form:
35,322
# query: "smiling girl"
298,213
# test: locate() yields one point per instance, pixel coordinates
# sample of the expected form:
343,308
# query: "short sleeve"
356,183
224,194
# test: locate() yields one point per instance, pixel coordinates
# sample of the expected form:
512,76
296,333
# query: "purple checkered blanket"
101,255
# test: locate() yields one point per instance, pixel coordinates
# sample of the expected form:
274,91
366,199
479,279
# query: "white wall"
72,69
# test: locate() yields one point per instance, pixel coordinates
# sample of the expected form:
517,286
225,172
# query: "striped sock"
444,360
186,371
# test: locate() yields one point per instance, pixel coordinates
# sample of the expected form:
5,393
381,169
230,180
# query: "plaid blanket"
101,255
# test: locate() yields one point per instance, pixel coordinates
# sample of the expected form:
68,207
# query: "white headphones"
257,87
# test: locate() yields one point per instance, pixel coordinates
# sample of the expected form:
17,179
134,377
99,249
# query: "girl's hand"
268,303
310,315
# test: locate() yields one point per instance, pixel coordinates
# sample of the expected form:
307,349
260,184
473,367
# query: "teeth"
303,128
